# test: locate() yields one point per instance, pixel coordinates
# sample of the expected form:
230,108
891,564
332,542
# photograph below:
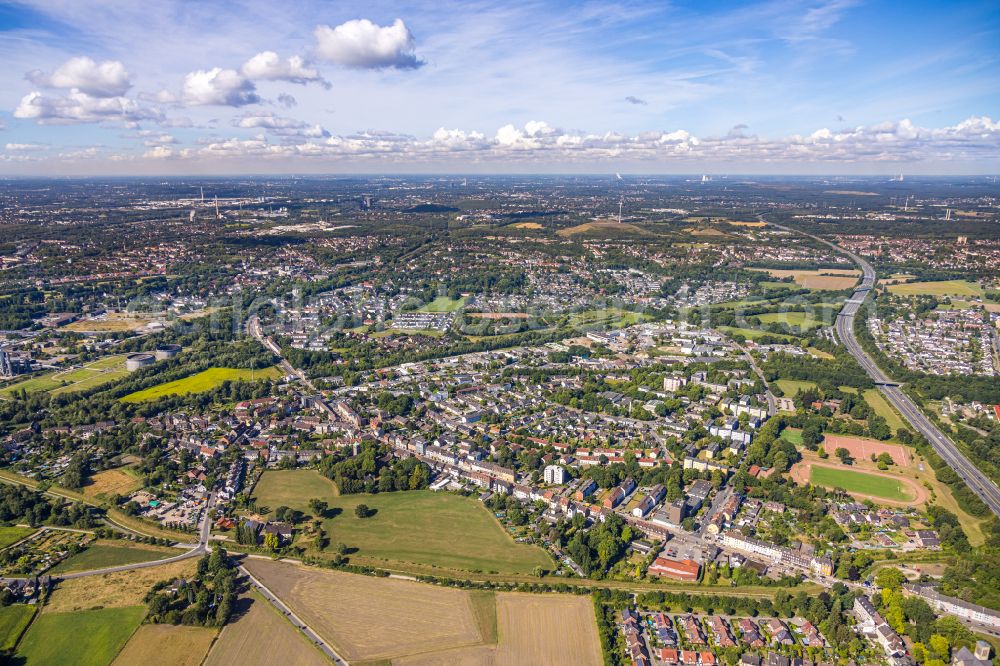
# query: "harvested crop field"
176,645
826,278
125,588
369,618
547,629
260,636
527,225
862,448
111,482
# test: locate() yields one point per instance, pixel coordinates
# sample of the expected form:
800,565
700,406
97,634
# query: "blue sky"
837,86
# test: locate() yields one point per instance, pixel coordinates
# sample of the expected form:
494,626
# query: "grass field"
95,373
116,590
291,487
241,640
111,482
14,619
442,304
9,535
792,386
205,380
942,288
792,435
607,316
604,229
175,645
101,554
414,526
754,333
877,401
81,639
803,320
859,482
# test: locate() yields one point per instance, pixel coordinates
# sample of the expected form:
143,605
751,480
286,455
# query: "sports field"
241,640
291,487
89,375
862,448
101,554
176,645
442,304
13,621
942,288
859,482
420,527
86,638
205,380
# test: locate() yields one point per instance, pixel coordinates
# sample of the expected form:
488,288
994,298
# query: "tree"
843,454
890,578
271,541
363,511
318,507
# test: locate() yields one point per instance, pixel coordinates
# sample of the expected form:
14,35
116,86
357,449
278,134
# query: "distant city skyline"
778,87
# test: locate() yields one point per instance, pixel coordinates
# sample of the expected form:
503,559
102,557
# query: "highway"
980,484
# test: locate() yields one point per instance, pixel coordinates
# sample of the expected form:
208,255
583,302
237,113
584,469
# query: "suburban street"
973,477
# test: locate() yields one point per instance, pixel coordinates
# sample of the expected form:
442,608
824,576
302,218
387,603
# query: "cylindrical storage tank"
163,352
135,361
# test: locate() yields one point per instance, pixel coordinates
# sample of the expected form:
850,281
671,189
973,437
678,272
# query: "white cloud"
281,126
25,147
159,153
362,44
79,107
106,79
217,86
269,66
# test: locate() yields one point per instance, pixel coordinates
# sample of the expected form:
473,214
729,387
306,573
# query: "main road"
980,484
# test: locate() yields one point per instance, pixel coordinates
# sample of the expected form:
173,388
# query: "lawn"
877,401
941,288
95,373
9,535
14,619
858,482
103,554
421,526
442,304
293,487
205,380
85,638
792,386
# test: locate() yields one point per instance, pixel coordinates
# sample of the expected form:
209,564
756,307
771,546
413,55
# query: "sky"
176,87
